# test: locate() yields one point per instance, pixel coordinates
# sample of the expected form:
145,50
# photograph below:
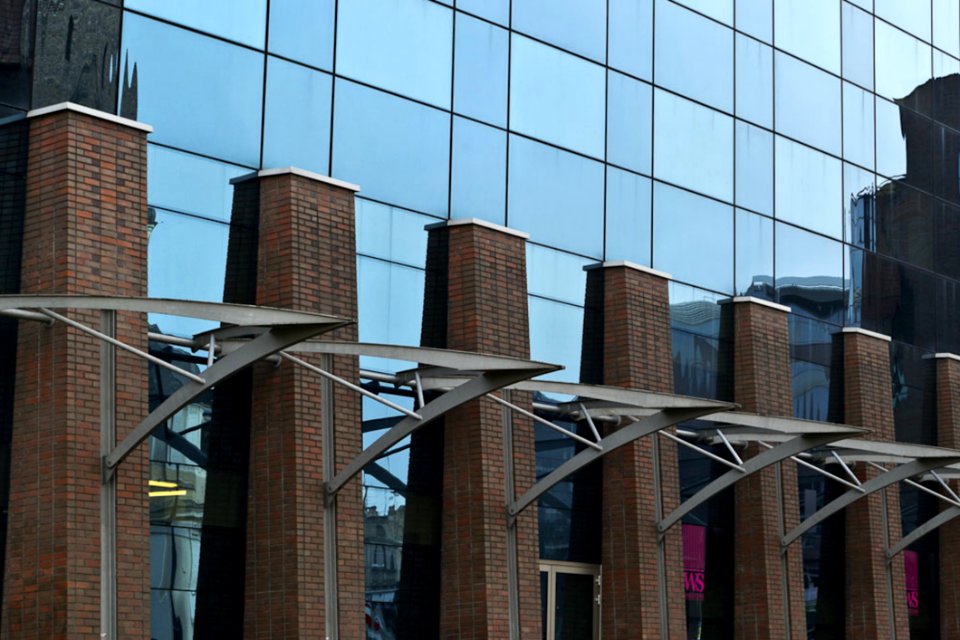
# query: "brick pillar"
867,399
306,261
768,589
84,232
948,435
478,302
627,343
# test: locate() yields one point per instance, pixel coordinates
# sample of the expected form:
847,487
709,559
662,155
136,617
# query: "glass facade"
802,151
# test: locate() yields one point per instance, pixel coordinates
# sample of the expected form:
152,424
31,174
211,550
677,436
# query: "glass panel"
544,585
580,26
628,122
694,56
754,81
391,233
891,144
858,125
556,333
858,206
396,150
808,188
400,45
754,245
574,606
390,303
754,167
199,93
557,196
911,16
480,78
721,10
479,175
631,37
556,274
809,272
303,30
756,18
810,30
240,20
693,146
946,17
628,217
902,63
296,130
857,50
496,10
807,103
946,89
905,223
693,238
191,184
556,97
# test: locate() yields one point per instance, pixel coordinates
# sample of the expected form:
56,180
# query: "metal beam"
108,490
930,525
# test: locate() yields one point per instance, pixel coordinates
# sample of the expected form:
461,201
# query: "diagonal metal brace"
930,525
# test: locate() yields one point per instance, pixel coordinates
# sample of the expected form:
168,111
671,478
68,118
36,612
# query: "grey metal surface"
108,490
328,441
929,526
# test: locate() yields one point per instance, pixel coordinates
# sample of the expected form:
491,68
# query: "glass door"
570,600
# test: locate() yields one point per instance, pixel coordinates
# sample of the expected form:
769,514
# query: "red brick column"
479,303
948,435
627,343
306,261
867,399
768,589
85,232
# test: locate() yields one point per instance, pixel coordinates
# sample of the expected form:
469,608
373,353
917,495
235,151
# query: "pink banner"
694,560
912,581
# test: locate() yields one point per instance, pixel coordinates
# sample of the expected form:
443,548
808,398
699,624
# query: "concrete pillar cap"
866,332
609,264
480,223
303,173
93,113
941,356
759,301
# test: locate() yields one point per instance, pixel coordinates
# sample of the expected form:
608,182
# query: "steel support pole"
513,568
661,542
784,560
108,489
328,442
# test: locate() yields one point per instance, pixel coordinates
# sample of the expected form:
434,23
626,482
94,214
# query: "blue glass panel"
396,150
694,56
556,97
754,259
628,217
756,18
902,62
694,310
754,168
721,10
946,17
754,81
480,77
628,122
479,176
556,274
857,54
390,233
891,144
240,20
810,384
808,188
858,125
810,30
693,238
303,30
807,103
189,183
496,10
556,334
556,196
576,25
400,45
859,189
809,271
199,93
389,302
910,16
296,130
693,146
631,37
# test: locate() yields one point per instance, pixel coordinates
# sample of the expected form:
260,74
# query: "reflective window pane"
721,10
556,196
693,238
754,166
754,81
807,103
556,274
693,146
556,333
857,47
240,20
480,76
303,30
910,16
631,37
495,10
400,45
902,63
756,18
809,270
891,145
199,93
810,30
396,150
190,184
478,181
628,217
391,233
694,56
579,26
859,188
808,188
556,97
905,223
628,122
296,129
389,302
858,125
754,259
946,17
